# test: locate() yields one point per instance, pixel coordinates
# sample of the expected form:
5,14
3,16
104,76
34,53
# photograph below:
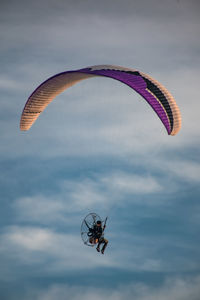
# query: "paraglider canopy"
158,97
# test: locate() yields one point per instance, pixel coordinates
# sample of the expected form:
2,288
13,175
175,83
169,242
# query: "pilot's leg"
98,246
104,246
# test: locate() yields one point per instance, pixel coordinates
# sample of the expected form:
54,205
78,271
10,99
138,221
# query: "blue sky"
99,147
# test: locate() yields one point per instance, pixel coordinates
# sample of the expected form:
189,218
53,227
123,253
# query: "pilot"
98,234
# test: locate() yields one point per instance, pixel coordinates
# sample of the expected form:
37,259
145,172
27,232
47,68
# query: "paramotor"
87,229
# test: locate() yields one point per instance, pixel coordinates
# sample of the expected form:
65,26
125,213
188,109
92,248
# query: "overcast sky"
99,147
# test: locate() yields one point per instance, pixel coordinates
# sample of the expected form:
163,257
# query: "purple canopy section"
137,83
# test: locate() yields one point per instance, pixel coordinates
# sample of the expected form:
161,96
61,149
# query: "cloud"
30,238
132,184
59,252
41,209
187,170
99,191
177,170
48,250
9,83
172,288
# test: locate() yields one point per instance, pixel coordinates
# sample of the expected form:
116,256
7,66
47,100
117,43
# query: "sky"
98,147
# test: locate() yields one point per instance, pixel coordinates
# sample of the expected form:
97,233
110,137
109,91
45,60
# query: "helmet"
98,222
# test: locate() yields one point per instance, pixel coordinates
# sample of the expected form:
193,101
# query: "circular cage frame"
88,222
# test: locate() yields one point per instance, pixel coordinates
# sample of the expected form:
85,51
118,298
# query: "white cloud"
30,238
173,288
49,250
132,184
100,191
188,170
176,168
41,209
46,250
9,83
84,194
